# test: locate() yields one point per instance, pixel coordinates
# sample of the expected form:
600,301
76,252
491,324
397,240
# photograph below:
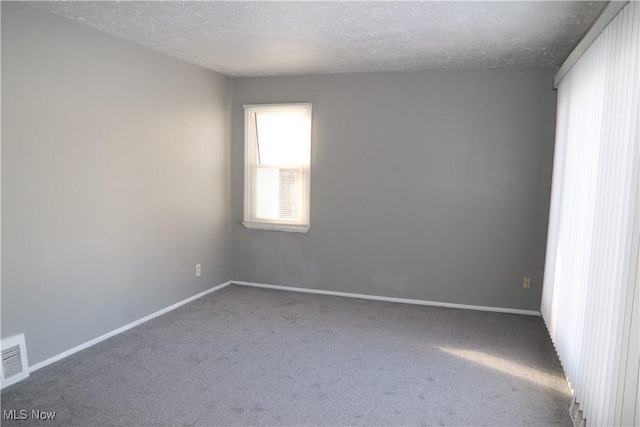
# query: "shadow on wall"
279,259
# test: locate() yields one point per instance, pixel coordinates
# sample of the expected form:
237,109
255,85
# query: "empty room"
315,213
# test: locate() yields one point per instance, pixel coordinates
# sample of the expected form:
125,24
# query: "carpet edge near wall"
103,337
172,307
390,299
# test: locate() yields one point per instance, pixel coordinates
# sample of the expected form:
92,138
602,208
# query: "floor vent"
14,360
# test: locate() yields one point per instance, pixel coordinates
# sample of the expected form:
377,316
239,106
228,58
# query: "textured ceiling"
244,38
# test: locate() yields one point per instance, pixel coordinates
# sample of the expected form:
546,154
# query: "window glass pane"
281,137
267,193
290,193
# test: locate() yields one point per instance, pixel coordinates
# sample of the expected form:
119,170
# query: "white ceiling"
246,38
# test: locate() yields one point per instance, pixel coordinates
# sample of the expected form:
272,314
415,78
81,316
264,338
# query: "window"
276,166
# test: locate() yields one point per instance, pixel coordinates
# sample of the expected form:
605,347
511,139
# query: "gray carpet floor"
259,357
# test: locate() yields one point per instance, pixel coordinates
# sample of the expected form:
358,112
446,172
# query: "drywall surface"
251,38
114,181
429,185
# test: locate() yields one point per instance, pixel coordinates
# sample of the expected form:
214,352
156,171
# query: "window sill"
292,228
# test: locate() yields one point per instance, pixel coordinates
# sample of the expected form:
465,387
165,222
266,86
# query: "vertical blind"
590,282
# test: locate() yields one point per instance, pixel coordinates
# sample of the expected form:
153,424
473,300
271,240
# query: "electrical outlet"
526,282
198,270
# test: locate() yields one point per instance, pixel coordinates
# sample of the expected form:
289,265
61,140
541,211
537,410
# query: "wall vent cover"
14,360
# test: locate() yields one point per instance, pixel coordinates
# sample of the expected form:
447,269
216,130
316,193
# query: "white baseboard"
101,338
122,329
391,299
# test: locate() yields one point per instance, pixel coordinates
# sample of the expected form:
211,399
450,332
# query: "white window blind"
277,166
590,295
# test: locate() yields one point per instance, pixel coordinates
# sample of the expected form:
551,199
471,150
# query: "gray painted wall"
114,181
431,185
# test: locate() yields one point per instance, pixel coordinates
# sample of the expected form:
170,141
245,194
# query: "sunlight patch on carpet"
508,367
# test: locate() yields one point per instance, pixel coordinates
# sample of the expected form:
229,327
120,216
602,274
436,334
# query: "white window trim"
273,225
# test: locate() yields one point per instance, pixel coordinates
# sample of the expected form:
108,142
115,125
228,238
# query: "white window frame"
301,225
